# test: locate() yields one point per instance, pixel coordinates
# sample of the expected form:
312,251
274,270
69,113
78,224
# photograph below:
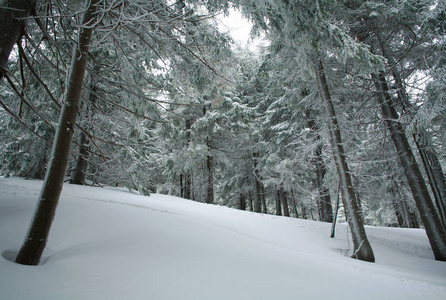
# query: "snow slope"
108,243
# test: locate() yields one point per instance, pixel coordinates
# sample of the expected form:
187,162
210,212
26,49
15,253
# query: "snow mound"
108,243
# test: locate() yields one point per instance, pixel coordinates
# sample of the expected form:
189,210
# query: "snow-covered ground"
108,243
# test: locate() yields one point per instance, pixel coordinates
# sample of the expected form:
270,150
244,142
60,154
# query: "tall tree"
381,37
35,242
362,250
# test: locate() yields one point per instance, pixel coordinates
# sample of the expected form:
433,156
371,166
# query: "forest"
342,115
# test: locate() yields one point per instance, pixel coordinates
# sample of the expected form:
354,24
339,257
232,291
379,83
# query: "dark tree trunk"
429,158
286,210
80,171
325,209
278,203
263,198
303,210
79,174
402,215
362,248
335,217
181,186
37,237
296,214
324,202
242,202
438,176
251,206
12,26
434,228
257,185
210,183
434,175
187,175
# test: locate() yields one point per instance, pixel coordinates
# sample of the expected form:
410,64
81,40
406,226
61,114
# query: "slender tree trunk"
37,237
335,217
324,202
434,229
263,198
181,186
187,186
325,209
438,176
362,249
303,210
286,210
12,26
80,170
251,207
210,183
278,203
257,187
434,175
296,214
398,214
242,202
399,205
187,175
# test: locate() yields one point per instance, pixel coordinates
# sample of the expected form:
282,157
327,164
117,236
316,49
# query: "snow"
109,243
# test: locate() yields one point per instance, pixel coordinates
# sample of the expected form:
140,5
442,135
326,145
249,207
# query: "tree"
370,30
363,250
12,19
37,236
297,25
434,229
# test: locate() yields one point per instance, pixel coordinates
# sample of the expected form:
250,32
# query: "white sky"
239,28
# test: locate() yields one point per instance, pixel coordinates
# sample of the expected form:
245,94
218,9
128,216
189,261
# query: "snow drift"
109,243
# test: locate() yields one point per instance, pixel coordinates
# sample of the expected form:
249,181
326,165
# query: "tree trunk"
210,183
242,202
325,209
187,175
434,175
36,240
400,206
429,158
324,206
12,26
286,210
303,210
362,249
181,186
434,229
296,214
251,206
80,171
335,217
263,198
257,185
278,203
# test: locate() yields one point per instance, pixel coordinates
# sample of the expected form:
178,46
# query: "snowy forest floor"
109,243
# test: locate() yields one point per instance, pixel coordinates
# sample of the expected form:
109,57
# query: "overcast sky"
239,28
